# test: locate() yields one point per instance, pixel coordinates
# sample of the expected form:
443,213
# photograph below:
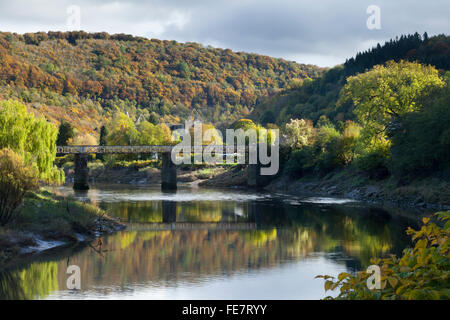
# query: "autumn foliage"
16,178
421,272
165,77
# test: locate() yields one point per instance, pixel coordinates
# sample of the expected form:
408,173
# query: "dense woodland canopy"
84,77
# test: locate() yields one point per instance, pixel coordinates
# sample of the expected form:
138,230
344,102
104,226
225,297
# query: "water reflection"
278,258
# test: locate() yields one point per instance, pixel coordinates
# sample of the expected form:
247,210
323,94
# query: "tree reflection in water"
347,235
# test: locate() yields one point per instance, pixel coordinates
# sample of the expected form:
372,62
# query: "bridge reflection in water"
178,226
169,215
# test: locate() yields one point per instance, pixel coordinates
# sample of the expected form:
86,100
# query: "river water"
213,244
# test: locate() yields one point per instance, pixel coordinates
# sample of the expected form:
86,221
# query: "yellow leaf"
328,285
343,275
393,281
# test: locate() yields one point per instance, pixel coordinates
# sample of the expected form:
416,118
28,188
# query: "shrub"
16,178
326,148
421,273
372,157
348,142
300,162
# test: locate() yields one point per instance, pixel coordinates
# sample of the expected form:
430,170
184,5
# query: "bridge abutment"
81,180
168,173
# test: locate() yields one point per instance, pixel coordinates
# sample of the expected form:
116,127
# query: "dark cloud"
323,32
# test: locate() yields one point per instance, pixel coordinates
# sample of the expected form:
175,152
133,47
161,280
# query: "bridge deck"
127,149
112,149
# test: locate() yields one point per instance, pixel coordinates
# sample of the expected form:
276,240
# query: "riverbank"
48,220
426,193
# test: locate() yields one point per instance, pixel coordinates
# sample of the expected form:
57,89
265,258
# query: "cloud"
323,32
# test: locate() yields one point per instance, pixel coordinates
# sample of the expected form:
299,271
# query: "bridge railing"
112,149
133,149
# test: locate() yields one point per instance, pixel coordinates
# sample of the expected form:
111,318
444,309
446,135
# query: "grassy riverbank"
48,220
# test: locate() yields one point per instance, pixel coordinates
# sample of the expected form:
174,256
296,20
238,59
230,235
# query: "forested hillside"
83,77
381,118
319,97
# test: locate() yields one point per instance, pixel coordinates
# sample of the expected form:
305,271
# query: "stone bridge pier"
254,178
168,173
81,180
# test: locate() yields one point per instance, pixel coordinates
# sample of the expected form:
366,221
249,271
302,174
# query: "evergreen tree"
102,142
103,134
65,133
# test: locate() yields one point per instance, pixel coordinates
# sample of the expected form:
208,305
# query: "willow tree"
34,139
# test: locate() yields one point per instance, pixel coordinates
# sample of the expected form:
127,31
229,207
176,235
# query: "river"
213,244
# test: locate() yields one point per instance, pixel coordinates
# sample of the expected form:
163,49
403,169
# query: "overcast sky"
322,32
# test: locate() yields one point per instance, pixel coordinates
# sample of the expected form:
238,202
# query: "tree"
388,92
34,139
150,134
102,141
153,118
268,117
84,139
421,140
65,133
214,135
164,135
103,135
347,144
122,131
300,133
16,178
183,69
244,124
